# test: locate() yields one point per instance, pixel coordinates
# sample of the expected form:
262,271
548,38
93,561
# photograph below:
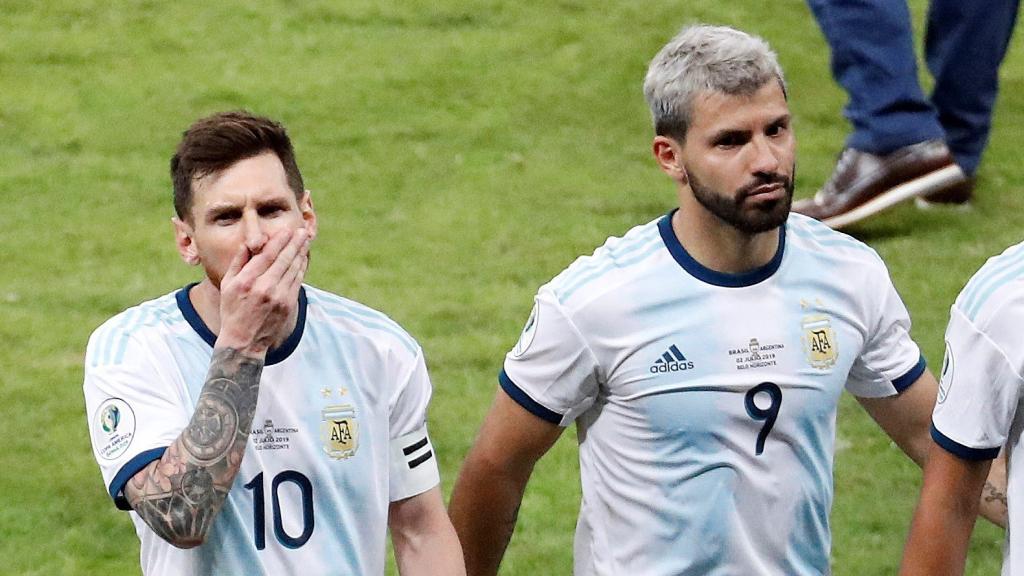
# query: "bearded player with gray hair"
702,355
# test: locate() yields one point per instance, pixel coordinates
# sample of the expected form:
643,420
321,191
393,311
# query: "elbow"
186,543
180,524
180,535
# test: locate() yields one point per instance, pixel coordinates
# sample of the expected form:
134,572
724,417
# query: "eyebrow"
733,132
215,213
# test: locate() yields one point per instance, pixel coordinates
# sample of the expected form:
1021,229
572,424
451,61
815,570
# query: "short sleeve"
979,391
551,371
413,463
890,360
133,407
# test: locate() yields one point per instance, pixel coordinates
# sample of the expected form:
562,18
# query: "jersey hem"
524,400
957,449
904,382
140,461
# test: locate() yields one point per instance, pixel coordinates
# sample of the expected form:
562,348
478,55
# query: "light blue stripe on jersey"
153,315
367,317
634,240
112,339
996,272
104,339
623,254
812,229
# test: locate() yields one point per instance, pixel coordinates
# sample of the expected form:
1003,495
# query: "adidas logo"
672,360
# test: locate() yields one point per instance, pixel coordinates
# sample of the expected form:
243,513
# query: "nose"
255,235
765,156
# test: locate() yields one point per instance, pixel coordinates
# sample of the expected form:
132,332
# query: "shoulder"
357,320
994,296
817,247
151,319
619,260
808,235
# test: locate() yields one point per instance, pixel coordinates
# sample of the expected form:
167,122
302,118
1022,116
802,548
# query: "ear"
183,240
668,153
308,214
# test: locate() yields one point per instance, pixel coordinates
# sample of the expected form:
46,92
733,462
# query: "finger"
238,261
290,252
269,252
292,279
296,273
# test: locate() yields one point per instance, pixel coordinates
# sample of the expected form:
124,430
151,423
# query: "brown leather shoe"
863,184
957,196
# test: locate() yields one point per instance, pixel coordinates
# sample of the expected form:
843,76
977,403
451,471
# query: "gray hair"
704,58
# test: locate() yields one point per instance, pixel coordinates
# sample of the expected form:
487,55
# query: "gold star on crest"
325,392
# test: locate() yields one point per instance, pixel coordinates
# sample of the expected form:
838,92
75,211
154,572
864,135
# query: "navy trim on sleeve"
137,463
957,449
274,356
904,382
525,401
709,276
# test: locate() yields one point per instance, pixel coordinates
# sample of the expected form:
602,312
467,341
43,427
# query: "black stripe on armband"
524,400
420,460
414,447
959,450
904,382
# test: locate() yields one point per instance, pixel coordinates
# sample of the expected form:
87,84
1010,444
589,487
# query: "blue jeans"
873,59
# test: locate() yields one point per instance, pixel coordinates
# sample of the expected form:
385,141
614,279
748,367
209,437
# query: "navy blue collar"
274,356
705,274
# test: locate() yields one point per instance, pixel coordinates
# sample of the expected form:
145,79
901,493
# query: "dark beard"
729,209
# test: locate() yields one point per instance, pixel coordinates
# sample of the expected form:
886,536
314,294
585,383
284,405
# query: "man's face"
738,158
243,205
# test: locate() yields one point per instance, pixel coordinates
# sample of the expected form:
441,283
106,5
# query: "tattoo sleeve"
180,494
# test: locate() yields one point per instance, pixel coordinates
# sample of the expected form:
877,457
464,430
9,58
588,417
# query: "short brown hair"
216,142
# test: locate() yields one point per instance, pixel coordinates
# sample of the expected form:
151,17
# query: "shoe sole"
924,204
931,182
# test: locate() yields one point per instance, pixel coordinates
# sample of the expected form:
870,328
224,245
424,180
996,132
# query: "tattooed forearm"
992,494
993,500
180,494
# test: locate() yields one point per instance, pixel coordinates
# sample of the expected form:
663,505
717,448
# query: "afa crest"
820,345
339,431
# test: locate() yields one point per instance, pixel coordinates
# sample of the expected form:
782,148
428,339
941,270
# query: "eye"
270,211
777,128
731,140
226,217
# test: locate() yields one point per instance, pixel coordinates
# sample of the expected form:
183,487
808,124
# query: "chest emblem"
271,436
756,354
339,431
819,339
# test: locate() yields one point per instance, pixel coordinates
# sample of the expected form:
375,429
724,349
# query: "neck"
719,246
205,298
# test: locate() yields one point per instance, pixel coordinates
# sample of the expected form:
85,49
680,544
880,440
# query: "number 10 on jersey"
259,524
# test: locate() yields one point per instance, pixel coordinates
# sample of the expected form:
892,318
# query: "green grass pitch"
461,153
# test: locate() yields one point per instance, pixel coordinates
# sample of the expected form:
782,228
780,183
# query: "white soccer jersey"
980,392
339,432
706,402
